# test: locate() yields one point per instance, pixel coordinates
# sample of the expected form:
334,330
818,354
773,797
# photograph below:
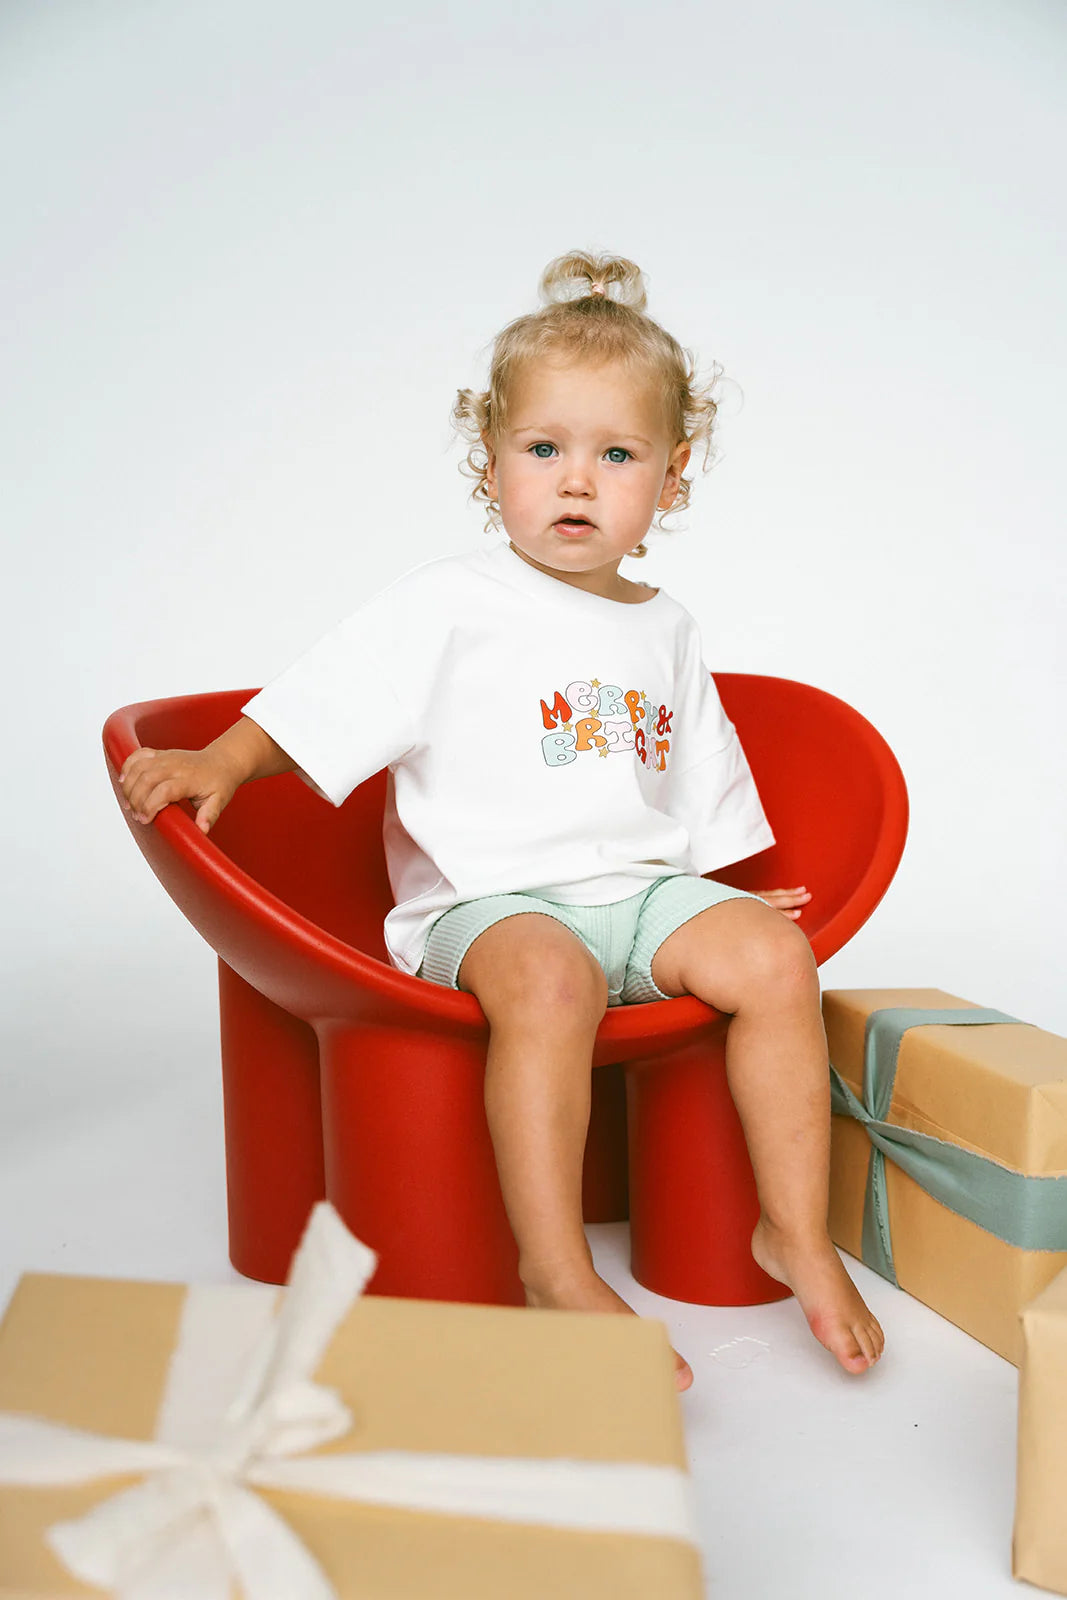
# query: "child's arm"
152,779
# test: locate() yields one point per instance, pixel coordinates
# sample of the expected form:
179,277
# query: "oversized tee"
537,737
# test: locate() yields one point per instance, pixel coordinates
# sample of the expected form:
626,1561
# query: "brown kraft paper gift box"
1039,1548
999,1091
417,1375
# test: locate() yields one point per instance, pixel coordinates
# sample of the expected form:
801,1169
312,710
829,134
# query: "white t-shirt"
538,738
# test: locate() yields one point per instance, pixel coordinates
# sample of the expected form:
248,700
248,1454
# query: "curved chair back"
314,876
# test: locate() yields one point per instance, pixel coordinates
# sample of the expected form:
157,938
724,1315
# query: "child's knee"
533,970
779,960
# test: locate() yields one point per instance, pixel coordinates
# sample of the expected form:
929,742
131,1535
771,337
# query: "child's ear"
490,470
681,459
675,468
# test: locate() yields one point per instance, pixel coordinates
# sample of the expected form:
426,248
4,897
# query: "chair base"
389,1124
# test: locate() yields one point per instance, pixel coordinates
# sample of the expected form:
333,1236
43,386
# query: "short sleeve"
338,711
711,788
720,806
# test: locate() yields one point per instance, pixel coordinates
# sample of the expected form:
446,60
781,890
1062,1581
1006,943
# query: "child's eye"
615,449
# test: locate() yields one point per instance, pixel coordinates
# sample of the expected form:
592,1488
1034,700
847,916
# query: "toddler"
562,775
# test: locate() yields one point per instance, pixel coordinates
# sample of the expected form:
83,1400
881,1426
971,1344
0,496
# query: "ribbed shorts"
623,936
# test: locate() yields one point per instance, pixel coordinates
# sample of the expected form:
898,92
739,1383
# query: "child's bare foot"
829,1299
589,1292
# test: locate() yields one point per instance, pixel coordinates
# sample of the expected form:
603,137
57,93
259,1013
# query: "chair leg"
270,1086
605,1180
410,1164
693,1201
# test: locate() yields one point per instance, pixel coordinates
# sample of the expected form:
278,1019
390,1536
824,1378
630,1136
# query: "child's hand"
782,899
152,779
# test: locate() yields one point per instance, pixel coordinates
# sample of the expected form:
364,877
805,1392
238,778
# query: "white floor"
810,1483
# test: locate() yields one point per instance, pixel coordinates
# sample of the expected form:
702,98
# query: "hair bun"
577,275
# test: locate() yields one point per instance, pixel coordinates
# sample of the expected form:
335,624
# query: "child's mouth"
572,525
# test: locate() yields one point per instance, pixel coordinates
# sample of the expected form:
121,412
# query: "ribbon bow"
1029,1212
195,1520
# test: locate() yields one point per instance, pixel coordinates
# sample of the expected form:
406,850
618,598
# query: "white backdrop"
251,250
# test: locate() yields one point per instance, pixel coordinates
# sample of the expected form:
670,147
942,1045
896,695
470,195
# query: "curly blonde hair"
593,309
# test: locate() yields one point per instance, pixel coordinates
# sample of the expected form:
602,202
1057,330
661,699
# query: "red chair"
343,1077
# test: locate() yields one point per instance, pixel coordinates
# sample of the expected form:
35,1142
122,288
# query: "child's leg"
544,995
744,958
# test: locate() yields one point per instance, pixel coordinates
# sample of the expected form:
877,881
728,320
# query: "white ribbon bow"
193,1523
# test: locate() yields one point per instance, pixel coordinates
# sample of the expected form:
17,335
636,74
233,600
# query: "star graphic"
594,683
604,750
567,728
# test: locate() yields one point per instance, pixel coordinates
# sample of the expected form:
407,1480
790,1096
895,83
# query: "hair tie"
599,288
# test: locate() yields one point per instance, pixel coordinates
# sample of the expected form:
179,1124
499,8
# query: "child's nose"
577,466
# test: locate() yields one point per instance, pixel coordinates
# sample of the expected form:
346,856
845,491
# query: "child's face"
582,442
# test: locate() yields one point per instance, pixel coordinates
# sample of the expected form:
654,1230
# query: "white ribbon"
195,1522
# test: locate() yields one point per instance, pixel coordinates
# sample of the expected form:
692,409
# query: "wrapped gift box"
968,1124
1039,1548
507,1387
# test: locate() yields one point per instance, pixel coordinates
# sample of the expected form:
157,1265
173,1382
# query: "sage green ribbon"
1027,1212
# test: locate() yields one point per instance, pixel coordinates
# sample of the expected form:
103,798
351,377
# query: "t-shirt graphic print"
603,719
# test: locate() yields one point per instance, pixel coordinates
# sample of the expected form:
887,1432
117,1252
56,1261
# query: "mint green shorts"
623,936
